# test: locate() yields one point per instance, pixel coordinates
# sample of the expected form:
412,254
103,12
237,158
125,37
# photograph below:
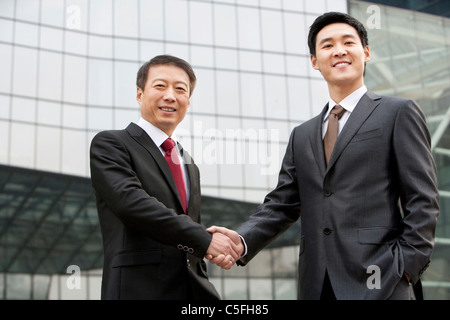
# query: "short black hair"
334,17
165,59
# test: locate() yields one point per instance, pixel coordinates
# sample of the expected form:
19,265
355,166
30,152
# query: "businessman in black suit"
154,244
368,203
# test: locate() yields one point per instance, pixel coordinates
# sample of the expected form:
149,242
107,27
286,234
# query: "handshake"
226,247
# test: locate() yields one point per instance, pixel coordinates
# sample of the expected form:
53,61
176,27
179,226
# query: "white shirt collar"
157,135
349,102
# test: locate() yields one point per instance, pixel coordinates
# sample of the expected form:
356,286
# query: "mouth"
341,64
167,109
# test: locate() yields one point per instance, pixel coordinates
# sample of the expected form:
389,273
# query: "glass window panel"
74,152
7,8
23,109
75,79
26,34
235,289
4,107
4,141
200,22
285,289
22,145
6,30
5,66
272,30
101,47
125,18
151,19
149,49
225,25
175,10
228,92
178,50
125,49
27,10
319,95
294,5
100,119
250,61
249,36
75,42
125,84
100,82
226,58
202,100
48,144
122,118
49,113
298,99
317,6
100,17
274,63
50,75
275,95
52,12
274,4
297,66
295,33
260,289
337,5
252,95
202,56
51,38
74,116
18,286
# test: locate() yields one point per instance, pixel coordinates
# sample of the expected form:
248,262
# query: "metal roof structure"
48,221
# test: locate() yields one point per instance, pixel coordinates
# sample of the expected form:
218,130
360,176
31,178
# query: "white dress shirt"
349,103
158,136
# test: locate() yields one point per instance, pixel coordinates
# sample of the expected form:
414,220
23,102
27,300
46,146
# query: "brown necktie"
174,164
332,131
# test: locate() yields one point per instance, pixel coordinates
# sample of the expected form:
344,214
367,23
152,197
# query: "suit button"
327,193
326,231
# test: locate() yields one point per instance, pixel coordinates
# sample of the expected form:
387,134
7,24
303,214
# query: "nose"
340,50
169,95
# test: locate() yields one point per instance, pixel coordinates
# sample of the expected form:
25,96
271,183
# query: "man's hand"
225,248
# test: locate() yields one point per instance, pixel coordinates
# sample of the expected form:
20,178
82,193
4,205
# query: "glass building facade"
68,71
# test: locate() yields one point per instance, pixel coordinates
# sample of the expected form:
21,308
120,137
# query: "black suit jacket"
152,250
351,222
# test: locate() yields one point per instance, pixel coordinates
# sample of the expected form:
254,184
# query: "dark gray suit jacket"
152,250
374,206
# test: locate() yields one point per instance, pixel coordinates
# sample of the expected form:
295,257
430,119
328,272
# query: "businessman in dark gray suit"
368,205
149,215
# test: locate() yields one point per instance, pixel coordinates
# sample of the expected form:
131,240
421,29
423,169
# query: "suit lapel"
143,139
362,111
317,142
193,182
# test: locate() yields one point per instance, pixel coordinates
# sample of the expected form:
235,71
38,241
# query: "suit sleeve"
418,188
280,209
117,184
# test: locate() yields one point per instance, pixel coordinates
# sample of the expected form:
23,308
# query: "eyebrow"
331,38
179,81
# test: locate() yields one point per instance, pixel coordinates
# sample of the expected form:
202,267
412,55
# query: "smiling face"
165,98
340,57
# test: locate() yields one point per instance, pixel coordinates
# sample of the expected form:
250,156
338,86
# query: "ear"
314,62
366,54
139,94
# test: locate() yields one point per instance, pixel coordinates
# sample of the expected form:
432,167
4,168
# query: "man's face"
340,56
165,98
